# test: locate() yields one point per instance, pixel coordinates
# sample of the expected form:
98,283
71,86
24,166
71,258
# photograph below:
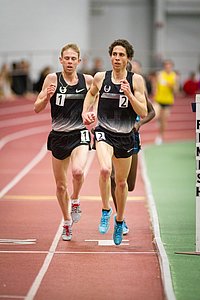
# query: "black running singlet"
115,112
67,104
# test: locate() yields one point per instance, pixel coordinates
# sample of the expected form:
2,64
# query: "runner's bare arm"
88,80
148,118
138,100
91,98
48,89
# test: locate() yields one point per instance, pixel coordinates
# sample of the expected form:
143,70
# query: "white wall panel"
36,30
40,28
183,42
131,20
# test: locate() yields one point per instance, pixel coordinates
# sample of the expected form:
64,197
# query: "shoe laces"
76,208
119,229
105,217
104,221
67,230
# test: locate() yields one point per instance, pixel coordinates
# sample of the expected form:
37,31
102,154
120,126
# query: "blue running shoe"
125,228
118,232
105,221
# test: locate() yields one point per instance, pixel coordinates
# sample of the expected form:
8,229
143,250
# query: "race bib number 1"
85,137
60,99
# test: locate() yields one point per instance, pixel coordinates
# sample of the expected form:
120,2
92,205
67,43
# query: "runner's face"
119,58
69,60
168,66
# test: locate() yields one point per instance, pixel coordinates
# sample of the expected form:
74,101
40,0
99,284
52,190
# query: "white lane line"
150,252
23,252
107,252
25,170
36,284
108,242
163,259
11,297
17,241
23,133
24,120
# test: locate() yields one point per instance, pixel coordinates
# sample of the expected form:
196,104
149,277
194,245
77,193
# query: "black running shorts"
61,144
122,143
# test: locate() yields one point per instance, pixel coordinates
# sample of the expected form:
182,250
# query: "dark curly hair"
125,44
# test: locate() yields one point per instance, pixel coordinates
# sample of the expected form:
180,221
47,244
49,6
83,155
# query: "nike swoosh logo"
78,91
129,150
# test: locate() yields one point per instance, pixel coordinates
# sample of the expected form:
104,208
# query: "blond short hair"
72,46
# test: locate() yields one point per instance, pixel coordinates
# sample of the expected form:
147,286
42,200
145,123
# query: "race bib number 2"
100,136
123,101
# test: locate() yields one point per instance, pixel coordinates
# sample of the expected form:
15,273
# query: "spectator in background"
137,68
198,76
37,87
5,83
21,82
191,85
97,66
166,84
15,82
84,69
149,80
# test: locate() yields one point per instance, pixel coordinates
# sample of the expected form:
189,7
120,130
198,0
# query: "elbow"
144,113
36,110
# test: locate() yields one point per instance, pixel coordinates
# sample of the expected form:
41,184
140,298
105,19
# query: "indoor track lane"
36,264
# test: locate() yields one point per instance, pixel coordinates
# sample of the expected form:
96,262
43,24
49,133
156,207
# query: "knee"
77,174
122,184
105,173
61,187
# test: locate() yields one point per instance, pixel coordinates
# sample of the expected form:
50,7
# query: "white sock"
68,222
75,201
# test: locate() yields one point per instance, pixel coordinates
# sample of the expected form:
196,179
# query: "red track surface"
82,268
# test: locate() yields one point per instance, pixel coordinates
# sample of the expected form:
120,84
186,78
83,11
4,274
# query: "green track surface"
171,171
